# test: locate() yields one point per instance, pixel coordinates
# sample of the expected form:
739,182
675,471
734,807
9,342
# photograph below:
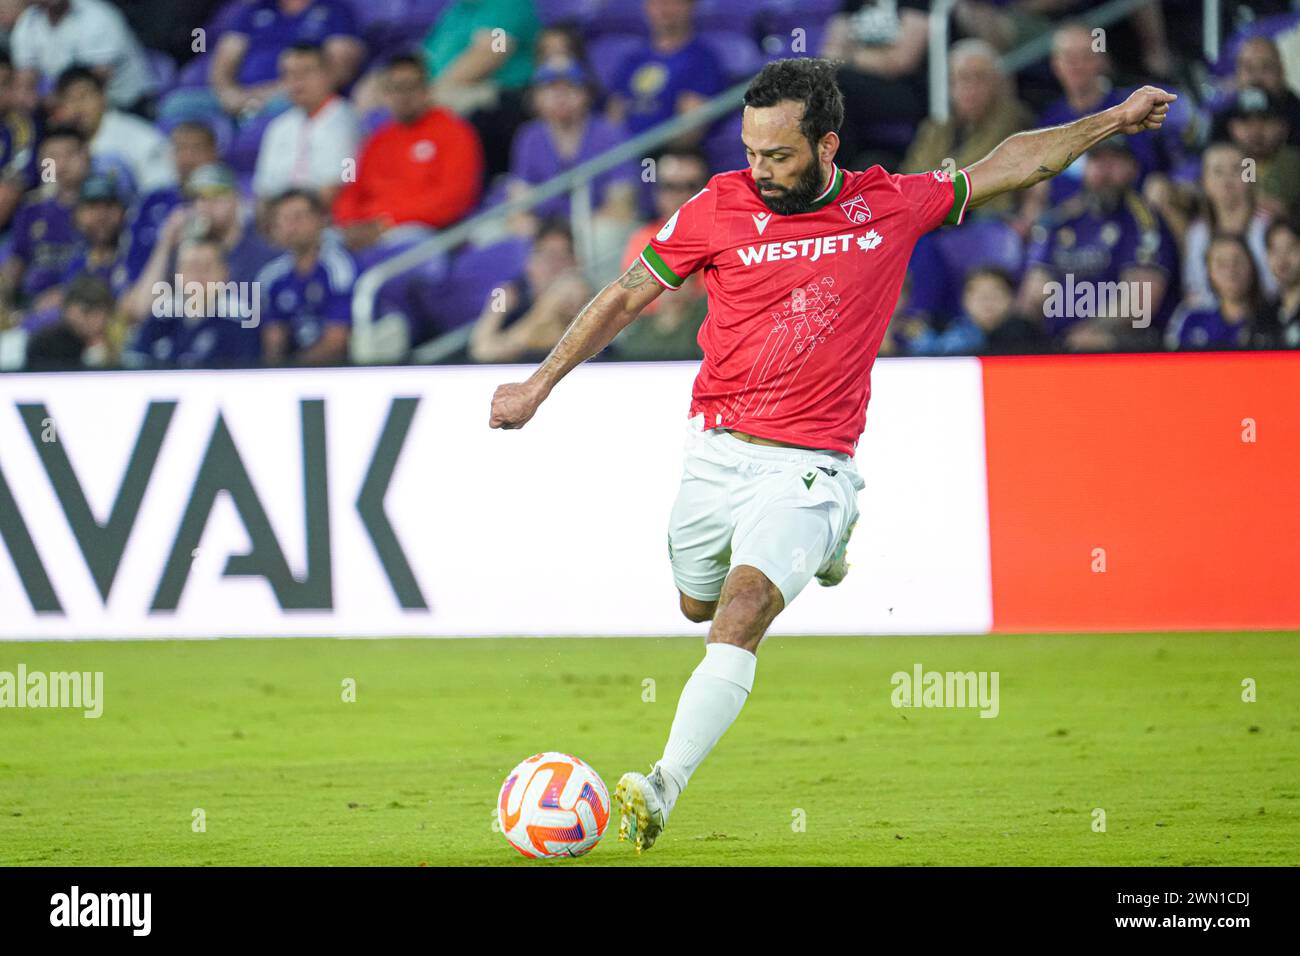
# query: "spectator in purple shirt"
307,292
245,68
18,170
202,325
565,135
44,236
674,73
1104,238
194,144
100,218
215,211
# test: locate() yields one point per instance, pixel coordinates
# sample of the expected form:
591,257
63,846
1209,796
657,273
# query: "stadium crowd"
288,146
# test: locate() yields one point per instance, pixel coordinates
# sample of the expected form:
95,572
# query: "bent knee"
749,592
696,611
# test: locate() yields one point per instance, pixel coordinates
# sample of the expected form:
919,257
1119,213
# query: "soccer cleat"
835,569
643,808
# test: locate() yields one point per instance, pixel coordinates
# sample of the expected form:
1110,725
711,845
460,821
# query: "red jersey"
798,305
429,171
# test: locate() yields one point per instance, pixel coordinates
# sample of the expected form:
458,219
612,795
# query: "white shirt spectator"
145,151
92,33
1196,279
304,151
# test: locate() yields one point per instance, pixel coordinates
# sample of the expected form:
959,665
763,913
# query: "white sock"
710,701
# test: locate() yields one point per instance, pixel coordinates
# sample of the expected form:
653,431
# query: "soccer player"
803,262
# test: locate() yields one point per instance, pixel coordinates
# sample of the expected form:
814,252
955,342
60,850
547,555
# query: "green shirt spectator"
454,33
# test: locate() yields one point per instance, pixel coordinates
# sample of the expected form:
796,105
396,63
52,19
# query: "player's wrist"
1112,122
541,384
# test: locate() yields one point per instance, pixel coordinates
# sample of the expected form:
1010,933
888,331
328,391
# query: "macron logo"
761,220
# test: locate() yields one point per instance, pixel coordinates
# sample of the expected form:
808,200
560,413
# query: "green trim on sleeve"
659,269
960,198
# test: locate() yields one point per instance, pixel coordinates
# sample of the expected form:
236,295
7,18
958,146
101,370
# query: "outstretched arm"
1026,158
611,311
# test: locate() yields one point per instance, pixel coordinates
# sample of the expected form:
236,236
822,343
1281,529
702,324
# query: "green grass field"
1150,728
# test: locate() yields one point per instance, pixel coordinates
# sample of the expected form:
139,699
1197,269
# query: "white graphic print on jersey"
804,322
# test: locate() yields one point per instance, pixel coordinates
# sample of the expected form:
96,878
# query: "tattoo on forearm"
573,347
593,328
635,277
1049,171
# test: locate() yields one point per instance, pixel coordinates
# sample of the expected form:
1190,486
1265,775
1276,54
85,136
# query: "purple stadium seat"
618,16
943,258
607,53
368,12
628,16
458,299
782,16
723,146
1187,170
896,136
982,242
413,16
738,55
423,14
242,155
737,15
554,11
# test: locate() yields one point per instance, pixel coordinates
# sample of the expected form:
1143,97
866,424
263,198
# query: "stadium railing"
383,340
379,340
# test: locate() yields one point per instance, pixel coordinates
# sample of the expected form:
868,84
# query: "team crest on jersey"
857,210
941,176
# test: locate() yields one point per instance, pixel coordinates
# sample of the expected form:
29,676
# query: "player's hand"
514,404
1146,108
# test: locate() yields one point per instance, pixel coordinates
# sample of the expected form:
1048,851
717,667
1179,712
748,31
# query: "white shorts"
781,510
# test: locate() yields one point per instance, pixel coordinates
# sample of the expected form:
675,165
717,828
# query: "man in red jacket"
424,169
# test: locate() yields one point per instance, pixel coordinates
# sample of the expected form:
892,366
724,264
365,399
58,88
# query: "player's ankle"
673,781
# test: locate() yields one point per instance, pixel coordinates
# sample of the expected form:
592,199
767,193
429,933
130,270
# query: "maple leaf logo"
870,240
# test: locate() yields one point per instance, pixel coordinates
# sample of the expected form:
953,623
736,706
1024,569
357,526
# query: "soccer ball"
552,805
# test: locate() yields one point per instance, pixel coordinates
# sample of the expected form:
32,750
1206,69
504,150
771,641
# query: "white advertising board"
377,502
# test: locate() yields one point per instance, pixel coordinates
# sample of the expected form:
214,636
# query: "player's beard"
799,197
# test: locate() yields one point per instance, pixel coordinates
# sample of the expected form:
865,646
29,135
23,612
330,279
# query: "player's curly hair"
808,80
